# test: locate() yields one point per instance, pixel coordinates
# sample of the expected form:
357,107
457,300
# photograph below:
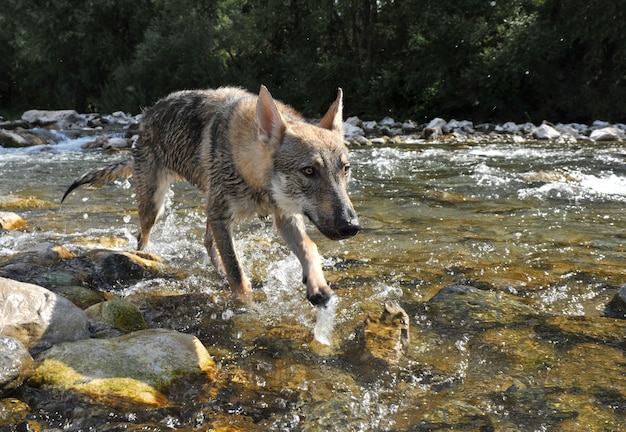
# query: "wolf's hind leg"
223,244
214,254
151,191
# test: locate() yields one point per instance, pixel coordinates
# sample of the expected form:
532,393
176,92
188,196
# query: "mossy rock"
118,313
134,370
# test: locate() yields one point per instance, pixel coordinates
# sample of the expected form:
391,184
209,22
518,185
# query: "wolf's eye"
346,169
308,171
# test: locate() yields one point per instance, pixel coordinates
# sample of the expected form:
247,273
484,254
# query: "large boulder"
38,317
136,369
60,119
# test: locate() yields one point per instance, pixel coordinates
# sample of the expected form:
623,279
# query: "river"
541,223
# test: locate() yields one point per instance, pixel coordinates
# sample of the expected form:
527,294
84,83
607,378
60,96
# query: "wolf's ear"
333,119
271,124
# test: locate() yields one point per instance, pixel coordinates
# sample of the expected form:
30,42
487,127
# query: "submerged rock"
131,370
38,317
616,308
476,309
16,364
16,202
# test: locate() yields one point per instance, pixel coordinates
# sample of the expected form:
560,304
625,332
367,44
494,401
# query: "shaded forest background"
482,60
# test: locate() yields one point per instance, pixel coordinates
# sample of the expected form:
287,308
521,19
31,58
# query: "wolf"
248,155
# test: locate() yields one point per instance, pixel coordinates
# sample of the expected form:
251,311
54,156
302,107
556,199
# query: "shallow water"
543,222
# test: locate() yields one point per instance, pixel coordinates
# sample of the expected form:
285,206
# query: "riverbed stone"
81,296
546,132
113,268
434,128
477,309
17,202
118,313
385,338
16,364
351,132
12,221
116,143
519,347
136,369
38,317
462,127
508,127
610,133
35,265
12,412
616,308
121,119
10,139
58,119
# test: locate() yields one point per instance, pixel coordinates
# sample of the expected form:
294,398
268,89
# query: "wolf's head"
311,167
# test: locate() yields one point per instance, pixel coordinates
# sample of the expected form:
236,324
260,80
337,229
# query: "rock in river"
38,317
112,268
16,364
609,133
118,313
131,370
385,338
616,308
12,221
545,131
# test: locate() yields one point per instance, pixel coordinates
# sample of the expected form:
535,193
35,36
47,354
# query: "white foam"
608,185
325,321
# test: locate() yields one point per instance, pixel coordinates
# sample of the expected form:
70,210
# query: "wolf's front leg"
220,240
292,229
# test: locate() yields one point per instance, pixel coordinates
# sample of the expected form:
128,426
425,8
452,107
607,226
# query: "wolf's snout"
349,227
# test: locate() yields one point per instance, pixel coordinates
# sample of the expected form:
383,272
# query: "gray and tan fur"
248,155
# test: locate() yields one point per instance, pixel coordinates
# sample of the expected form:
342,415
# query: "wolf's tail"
104,174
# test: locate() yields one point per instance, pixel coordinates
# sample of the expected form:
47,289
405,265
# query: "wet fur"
248,155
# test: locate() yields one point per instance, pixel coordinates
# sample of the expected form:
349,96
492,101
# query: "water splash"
325,321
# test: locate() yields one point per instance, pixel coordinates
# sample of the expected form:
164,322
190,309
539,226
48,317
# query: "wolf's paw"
319,299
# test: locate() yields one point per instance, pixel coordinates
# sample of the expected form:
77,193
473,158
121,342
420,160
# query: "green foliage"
485,60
